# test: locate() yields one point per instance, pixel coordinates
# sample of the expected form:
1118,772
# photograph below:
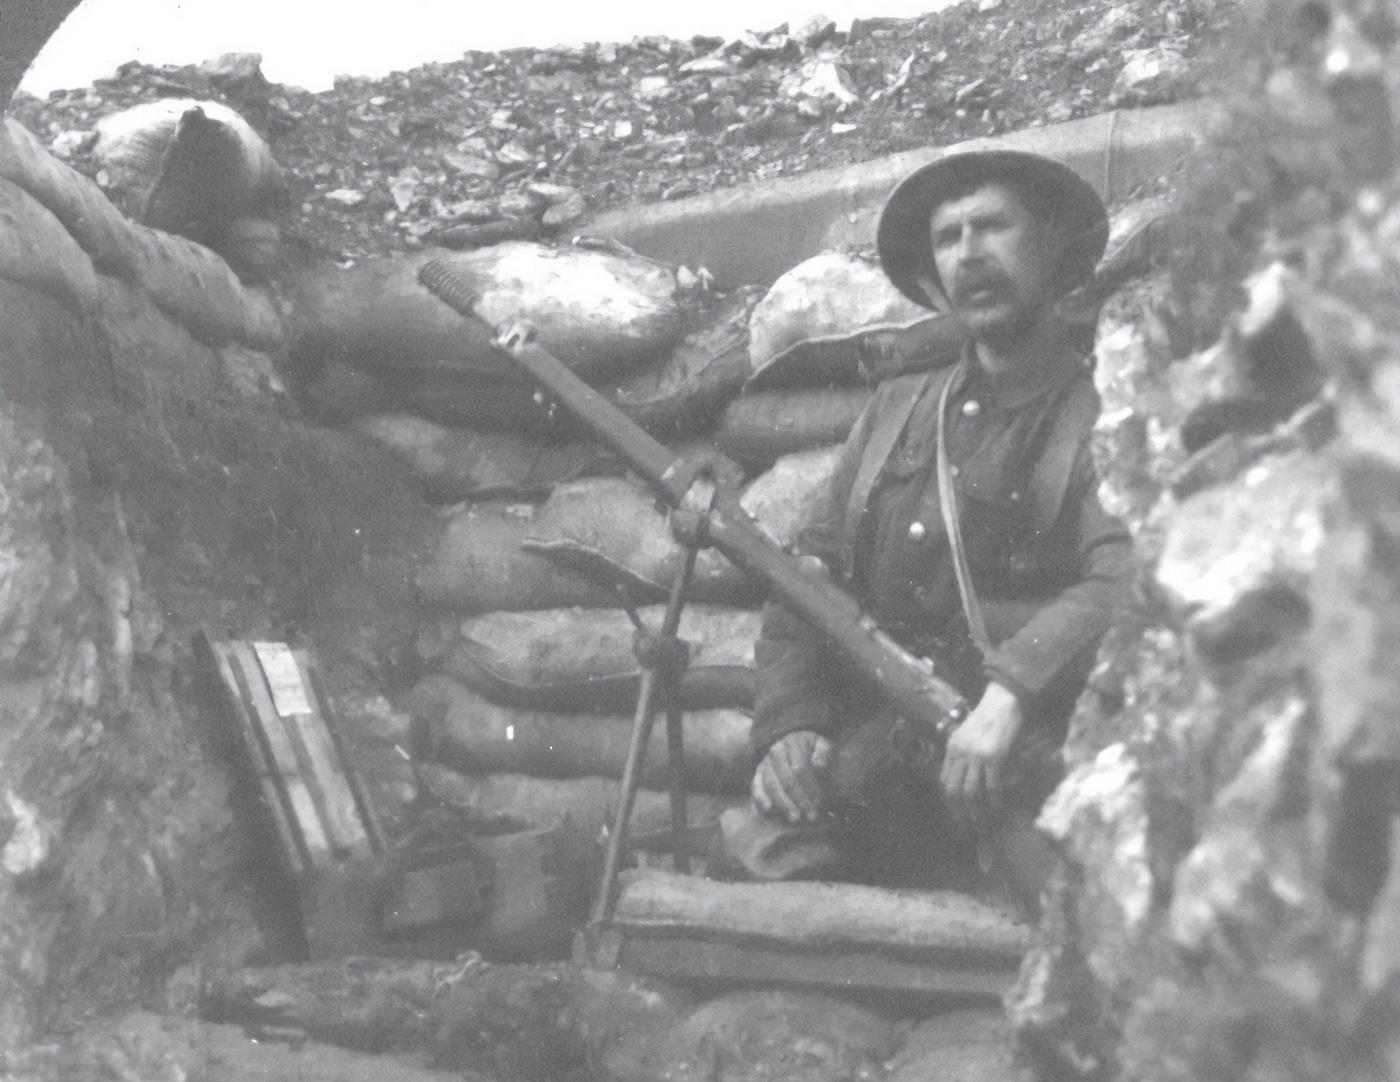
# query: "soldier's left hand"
974,763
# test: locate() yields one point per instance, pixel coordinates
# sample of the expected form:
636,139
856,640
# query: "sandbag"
188,167
599,313
864,357
684,392
144,343
781,497
36,250
452,464
479,565
829,294
444,392
502,803
761,427
188,282
470,733
583,659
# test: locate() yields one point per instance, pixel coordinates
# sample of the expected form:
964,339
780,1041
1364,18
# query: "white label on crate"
283,678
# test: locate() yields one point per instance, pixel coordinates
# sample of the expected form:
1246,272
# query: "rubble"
654,119
756,1035
1237,386
1237,556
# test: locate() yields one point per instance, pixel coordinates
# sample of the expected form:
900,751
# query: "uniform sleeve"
795,687
1063,635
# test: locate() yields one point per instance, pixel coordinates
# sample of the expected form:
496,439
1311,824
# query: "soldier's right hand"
789,781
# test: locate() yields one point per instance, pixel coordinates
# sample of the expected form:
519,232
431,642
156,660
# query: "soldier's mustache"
979,281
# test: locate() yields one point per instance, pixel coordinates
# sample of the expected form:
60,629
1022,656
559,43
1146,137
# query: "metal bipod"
663,656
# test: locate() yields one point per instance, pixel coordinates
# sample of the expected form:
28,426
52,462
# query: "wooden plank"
338,808
330,769
307,819
694,958
274,796
368,816
342,837
305,730
282,676
923,926
265,766
291,704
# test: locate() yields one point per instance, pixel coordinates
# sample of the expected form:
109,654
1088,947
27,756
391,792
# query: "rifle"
928,704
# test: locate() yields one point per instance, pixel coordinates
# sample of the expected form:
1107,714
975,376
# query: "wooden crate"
329,839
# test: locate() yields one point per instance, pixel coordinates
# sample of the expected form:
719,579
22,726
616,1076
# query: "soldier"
964,515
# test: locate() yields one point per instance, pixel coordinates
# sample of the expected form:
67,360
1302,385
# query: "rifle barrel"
909,683
643,453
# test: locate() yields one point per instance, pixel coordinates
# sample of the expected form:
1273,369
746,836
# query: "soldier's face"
994,260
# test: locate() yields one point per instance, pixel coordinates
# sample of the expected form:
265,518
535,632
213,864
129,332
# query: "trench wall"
152,480
753,233
1226,905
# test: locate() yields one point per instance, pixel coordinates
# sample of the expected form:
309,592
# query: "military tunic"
1049,568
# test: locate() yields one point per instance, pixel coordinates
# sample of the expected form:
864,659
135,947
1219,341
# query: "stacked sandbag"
528,705
483,562
198,169
543,680
496,555
779,498
492,435
475,735
452,464
37,250
79,279
527,723
602,313
759,428
821,338
685,393
509,803
583,659
830,297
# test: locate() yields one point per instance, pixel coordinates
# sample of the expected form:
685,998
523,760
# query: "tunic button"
971,408
1015,497
917,531
953,470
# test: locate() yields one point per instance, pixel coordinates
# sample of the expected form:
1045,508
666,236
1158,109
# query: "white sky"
308,42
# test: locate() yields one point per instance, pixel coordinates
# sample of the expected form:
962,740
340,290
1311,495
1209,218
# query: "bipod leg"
660,681
675,757
672,666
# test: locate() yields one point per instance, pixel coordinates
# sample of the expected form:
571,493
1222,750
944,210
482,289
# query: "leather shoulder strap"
1073,422
895,405
948,507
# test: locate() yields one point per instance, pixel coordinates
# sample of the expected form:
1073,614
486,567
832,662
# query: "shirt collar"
1022,388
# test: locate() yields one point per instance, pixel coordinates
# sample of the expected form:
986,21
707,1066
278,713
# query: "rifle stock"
908,683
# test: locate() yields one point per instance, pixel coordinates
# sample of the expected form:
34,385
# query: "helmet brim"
902,237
